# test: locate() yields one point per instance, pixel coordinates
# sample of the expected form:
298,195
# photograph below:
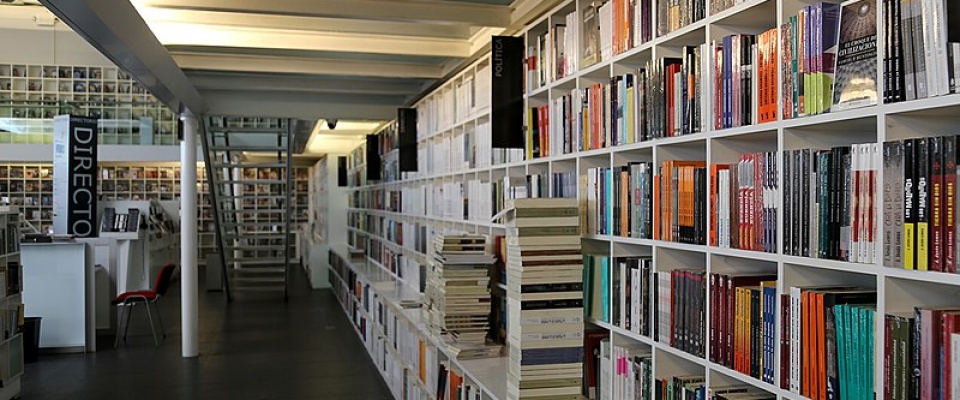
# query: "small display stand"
146,240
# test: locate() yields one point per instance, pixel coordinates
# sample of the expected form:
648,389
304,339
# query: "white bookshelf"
441,122
32,94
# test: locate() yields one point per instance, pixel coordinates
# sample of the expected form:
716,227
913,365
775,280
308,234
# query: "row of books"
618,291
828,341
632,202
744,203
922,48
620,200
830,203
675,14
451,385
920,353
743,323
629,369
921,204
745,80
681,323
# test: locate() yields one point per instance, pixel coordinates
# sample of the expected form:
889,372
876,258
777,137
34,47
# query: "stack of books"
458,288
544,298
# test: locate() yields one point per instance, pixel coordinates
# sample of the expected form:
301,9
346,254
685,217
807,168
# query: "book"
856,73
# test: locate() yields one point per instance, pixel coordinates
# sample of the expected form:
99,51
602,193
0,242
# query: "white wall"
335,232
29,42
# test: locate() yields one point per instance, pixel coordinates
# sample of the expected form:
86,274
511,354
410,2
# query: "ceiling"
307,59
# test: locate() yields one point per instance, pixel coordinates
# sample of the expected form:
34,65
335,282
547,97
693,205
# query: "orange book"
666,175
774,79
821,348
423,362
456,381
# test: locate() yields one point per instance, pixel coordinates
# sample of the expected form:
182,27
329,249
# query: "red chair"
129,300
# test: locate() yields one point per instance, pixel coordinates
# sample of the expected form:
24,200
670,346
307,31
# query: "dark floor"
252,348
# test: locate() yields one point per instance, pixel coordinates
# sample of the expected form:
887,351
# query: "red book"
936,204
887,357
950,324
949,204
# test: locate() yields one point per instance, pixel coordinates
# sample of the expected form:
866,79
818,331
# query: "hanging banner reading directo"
75,176
506,101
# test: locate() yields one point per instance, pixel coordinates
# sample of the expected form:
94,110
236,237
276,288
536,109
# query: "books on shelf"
545,299
619,200
745,80
830,203
458,292
832,333
680,200
920,352
681,315
675,14
744,203
810,40
856,80
921,204
743,323
922,53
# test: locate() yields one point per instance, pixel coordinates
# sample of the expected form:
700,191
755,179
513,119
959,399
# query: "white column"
188,237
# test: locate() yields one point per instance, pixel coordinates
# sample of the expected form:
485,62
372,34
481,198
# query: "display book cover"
856,68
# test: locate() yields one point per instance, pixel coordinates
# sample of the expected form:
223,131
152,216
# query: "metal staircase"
250,177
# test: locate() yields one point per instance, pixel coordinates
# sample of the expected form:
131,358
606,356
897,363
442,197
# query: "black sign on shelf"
506,114
373,158
407,130
342,171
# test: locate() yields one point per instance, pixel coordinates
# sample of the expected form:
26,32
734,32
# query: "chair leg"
126,329
163,332
153,329
116,342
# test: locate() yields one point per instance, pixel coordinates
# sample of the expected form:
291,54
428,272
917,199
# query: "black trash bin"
31,339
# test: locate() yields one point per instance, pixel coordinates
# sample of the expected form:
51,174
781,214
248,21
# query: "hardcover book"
856,70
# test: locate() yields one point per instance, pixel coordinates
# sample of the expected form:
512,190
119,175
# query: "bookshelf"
451,180
32,94
11,302
30,188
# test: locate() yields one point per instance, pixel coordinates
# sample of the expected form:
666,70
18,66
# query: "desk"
58,285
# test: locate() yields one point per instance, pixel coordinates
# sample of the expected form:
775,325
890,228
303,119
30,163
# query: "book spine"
949,204
923,203
909,205
936,204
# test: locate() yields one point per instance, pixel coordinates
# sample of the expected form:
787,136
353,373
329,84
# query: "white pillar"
188,237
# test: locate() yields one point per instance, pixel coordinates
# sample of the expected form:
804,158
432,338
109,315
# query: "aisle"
253,349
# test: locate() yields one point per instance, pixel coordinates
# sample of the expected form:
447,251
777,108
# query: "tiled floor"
252,348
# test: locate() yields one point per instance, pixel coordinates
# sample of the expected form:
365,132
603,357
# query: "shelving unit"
397,338
30,188
11,305
31,95
437,198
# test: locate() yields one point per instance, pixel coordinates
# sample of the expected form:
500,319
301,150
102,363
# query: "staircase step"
271,288
223,130
251,182
257,271
252,196
255,211
249,165
263,149
254,279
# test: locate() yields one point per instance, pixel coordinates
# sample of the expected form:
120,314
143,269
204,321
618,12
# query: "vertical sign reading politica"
75,176
506,101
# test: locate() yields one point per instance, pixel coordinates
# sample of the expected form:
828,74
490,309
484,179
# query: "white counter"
58,285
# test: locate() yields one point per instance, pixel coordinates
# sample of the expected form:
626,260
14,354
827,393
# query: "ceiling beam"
272,21
115,29
306,84
416,11
302,105
306,66
182,34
